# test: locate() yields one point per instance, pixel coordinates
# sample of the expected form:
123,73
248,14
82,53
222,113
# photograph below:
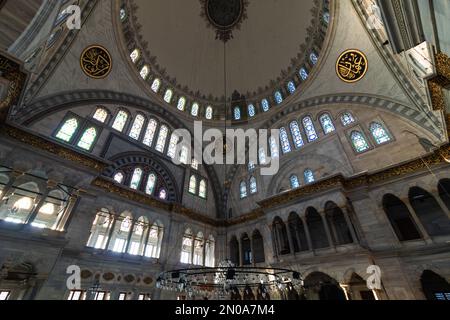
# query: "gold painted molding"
442,79
11,71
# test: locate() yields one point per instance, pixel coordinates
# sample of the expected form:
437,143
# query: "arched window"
251,110
21,200
303,74
339,228
237,113
309,176
181,104
278,97
136,178
243,190
150,132
265,105
280,237
156,85
347,119
153,248
310,130
172,149
429,212
274,151
234,251
137,127
168,95
359,142
247,258
400,218
298,234
327,123
122,14
295,183
198,250
135,55
326,17
316,229
163,194
194,109
202,189
313,58
119,236
162,137
52,210
258,247
120,121
284,139
379,133
100,115
136,247
262,156
184,154
118,177
210,252
68,130
253,185
193,185
296,134
251,166
151,183
87,139
145,71
186,247
100,230
291,87
209,113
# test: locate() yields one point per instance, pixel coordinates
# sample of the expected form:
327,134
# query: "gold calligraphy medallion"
352,66
96,62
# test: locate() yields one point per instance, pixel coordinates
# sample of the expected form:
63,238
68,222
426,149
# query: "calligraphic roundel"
352,66
96,62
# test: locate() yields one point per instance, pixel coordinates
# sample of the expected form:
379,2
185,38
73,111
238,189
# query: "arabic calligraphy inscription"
352,66
96,62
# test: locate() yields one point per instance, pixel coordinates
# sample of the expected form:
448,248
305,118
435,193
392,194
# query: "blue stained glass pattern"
327,123
294,182
310,130
379,133
347,119
303,74
309,176
359,142
237,113
313,58
291,87
296,135
278,97
265,105
251,111
284,139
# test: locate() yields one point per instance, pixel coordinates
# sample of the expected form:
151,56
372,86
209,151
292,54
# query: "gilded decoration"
352,66
96,62
10,71
442,79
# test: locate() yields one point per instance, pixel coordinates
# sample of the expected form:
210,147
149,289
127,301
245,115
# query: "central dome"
270,40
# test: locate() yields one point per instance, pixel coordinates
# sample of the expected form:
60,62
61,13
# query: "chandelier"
228,282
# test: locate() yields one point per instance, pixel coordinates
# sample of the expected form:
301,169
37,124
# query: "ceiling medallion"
352,66
224,16
96,62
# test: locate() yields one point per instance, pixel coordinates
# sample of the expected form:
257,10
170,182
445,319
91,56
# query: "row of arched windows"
198,186
142,180
124,234
197,250
421,215
247,250
308,176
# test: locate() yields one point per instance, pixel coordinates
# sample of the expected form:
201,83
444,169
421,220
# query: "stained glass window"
122,14
278,97
173,146
162,137
313,58
151,182
145,71
68,130
118,177
327,123
251,111
194,164
262,156
347,119
202,189
243,190
265,105
150,132
120,121
291,87
181,104
184,155
326,17
237,113
194,109
168,96
284,139
135,55
137,127
296,135
88,138
251,166
136,178
359,142
274,151
310,130
294,182
309,176
163,194
303,74
209,113
379,133
253,185
193,185
156,85
100,115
